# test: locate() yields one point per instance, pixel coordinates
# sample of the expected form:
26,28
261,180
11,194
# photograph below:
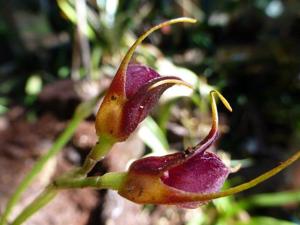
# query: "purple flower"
175,178
134,91
186,179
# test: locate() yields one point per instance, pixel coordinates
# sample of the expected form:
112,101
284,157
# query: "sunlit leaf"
3,109
70,12
265,221
33,85
271,199
198,218
153,137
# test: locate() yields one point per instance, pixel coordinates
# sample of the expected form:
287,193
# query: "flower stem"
56,147
96,154
82,111
46,196
111,180
107,181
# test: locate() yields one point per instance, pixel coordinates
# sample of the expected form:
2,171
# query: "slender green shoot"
83,110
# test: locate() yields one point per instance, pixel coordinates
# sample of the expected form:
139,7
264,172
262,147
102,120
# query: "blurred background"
55,54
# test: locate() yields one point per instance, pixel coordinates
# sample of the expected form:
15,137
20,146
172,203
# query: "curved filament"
126,59
244,186
212,135
170,81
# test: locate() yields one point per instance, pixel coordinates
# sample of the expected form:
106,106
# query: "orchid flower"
170,179
134,91
187,179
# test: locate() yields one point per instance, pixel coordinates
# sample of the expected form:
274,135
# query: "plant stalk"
45,197
112,180
107,181
82,111
96,154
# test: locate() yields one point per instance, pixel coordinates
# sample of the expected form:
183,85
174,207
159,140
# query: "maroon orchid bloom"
172,178
188,178
134,91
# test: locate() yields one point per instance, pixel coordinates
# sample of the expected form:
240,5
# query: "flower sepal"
187,179
133,92
171,179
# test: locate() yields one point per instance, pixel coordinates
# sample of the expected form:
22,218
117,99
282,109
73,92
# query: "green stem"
82,111
112,180
107,181
56,147
96,154
46,196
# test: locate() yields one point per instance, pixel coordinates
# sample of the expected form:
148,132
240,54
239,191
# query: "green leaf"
3,109
153,136
271,199
224,205
33,85
164,115
265,221
197,219
69,10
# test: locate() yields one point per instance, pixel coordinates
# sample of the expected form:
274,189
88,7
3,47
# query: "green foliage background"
250,50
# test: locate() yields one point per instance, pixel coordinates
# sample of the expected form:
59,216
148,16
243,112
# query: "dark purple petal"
139,105
136,76
202,173
155,165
